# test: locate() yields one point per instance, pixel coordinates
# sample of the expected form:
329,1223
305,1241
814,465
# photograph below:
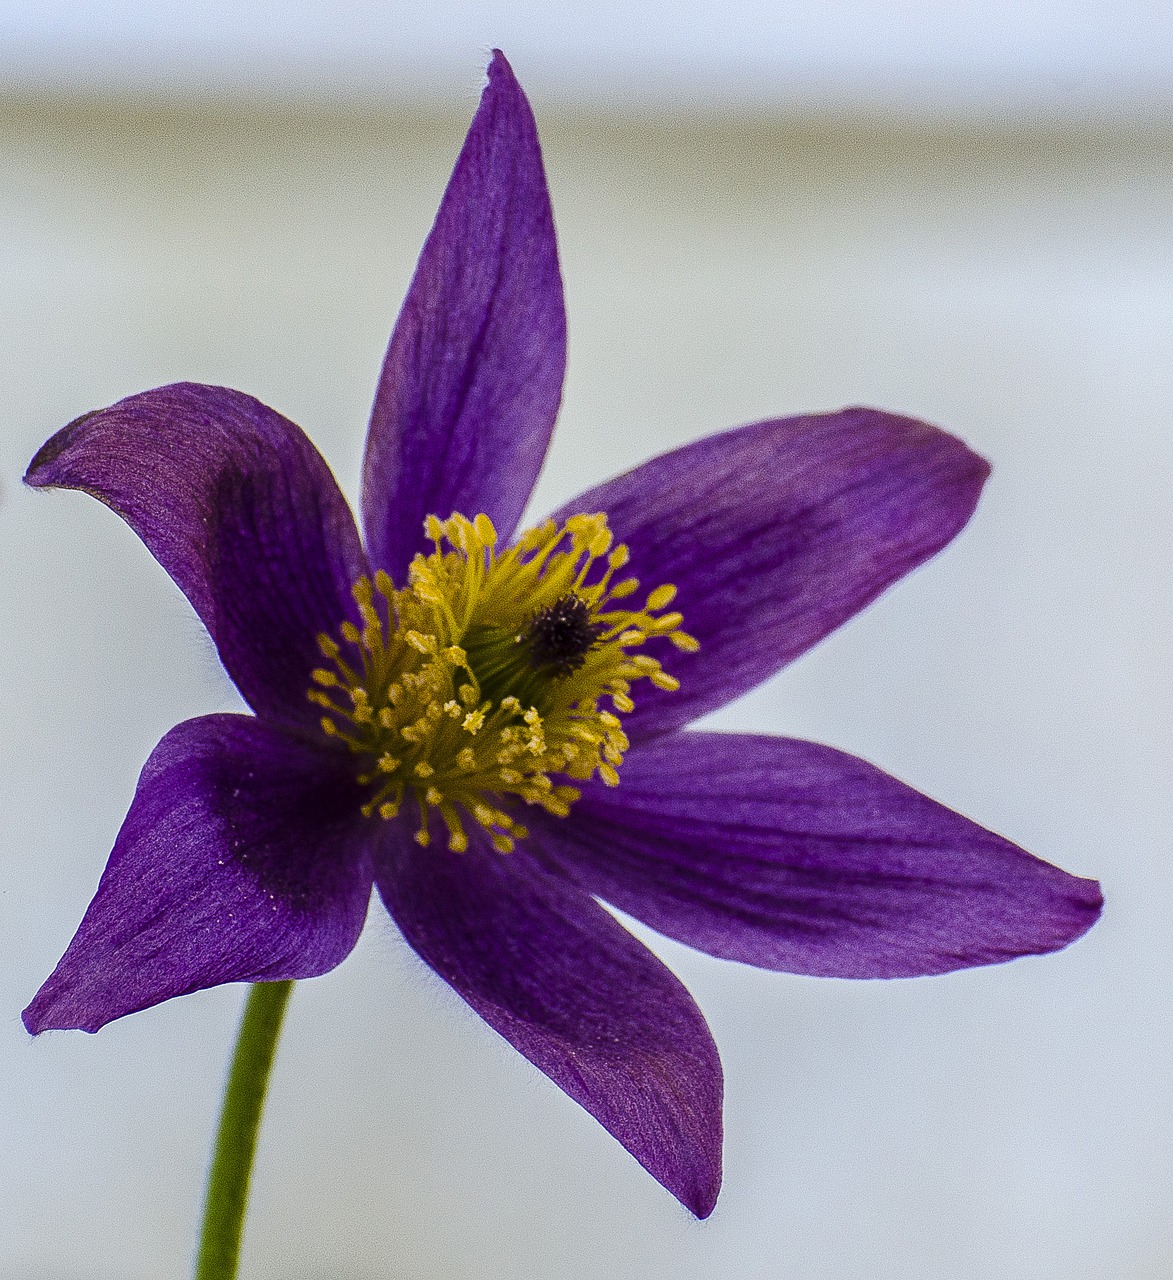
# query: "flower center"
484,679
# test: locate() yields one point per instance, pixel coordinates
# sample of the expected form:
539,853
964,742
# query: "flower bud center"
552,645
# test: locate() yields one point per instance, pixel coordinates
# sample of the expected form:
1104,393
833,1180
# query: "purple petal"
243,859
574,992
473,376
776,533
793,856
241,510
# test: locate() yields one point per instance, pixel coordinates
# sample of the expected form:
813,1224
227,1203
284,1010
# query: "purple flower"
418,699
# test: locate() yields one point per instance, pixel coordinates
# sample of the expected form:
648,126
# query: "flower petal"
574,992
789,855
243,859
473,376
241,510
777,532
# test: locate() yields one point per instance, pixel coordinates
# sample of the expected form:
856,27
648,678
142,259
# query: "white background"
1064,56
1006,275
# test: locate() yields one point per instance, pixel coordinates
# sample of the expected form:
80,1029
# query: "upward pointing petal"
472,379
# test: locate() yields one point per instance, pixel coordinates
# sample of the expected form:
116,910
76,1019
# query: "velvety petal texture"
790,855
776,533
473,376
243,859
241,510
573,991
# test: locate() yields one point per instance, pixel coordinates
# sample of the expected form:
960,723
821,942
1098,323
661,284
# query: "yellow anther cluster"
481,680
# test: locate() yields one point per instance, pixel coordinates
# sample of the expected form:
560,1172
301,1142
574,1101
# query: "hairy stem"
236,1141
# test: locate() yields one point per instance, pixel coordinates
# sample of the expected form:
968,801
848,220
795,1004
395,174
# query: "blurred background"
955,210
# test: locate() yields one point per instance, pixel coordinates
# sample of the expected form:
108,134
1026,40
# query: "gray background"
1009,280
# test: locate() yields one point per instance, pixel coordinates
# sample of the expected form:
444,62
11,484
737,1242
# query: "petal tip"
976,470
500,76
703,1199
52,449
1062,917
1076,905
1086,905
974,466
504,88
959,470
44,1014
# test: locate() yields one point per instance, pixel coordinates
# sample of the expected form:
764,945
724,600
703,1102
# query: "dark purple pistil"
560,636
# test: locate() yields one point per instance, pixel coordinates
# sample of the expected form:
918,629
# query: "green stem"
240,1119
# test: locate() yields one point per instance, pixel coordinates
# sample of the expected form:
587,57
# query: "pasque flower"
490,727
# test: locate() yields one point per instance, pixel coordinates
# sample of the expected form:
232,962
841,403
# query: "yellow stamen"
477,687
661,598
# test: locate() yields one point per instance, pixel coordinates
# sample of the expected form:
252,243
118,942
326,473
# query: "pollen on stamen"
494,678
